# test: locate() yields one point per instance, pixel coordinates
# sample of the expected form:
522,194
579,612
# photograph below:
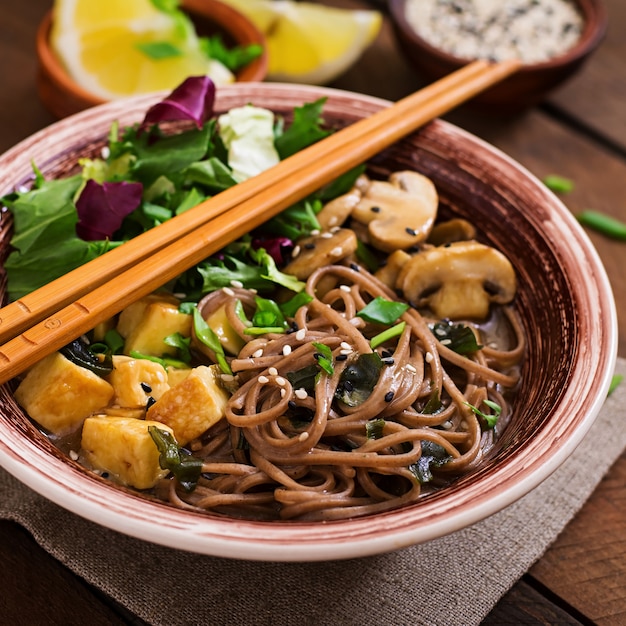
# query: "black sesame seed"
317,356
149,402
386,354
355,267
411,231
348,386
375,209
388,361
146,387
341,357
309,246
291,404
389,396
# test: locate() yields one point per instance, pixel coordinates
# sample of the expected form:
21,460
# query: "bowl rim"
63,482
222,14
596,24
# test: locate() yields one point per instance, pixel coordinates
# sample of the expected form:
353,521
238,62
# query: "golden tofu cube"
132,315
123,447
176,375
159,320
219,324
59,394
192,406
135,380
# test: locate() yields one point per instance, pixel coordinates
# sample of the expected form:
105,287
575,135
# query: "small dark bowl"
63,96
526,87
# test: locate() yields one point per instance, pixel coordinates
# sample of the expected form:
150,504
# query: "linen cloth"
454,580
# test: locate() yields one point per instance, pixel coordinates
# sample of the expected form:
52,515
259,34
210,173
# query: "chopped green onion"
382,311
263,330
390,333
603,223
558,183
374,428
325,359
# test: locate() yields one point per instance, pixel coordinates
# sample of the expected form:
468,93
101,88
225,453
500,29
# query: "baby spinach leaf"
382,311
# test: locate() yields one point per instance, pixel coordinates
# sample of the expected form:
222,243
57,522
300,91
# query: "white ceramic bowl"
564,299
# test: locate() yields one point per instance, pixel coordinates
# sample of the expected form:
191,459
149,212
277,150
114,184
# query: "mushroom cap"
400,212
458,280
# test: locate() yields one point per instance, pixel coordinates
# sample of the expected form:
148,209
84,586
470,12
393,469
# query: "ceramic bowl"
564,300
63,96
529,85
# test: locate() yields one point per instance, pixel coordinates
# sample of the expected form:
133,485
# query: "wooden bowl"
529,85
564,300
62,96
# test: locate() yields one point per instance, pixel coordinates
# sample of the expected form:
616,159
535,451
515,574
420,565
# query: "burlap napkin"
454,580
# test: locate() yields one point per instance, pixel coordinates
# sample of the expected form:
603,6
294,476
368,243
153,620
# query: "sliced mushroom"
337,211
399,213
456,229
388,274
320,250
459,280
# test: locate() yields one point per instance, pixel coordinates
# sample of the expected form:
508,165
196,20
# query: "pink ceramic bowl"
564,299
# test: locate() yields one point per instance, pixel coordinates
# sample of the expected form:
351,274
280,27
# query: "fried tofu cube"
146,327
135,380
192,406
59,394
132,315
123,447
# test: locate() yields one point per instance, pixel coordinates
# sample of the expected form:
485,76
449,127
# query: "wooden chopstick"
103,287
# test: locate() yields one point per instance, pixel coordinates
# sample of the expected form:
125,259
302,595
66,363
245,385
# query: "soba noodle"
290,452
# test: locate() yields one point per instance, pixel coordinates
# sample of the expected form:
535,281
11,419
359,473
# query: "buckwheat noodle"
283,453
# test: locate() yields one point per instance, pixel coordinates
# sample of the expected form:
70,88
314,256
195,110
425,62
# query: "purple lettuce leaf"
102,207
192,100
279,248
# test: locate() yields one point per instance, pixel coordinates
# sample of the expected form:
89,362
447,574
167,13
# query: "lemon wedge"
126,47
310,43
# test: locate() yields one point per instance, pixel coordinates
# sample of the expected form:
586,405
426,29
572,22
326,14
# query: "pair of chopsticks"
69,306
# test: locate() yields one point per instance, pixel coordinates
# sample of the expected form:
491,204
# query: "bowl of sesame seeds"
552,38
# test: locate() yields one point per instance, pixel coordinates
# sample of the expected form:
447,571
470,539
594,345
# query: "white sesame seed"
347,352
73,455
263,380
345,288
447,425
411,368
237,284
333,220
301,393
283,393
327,235
227,378
228,291
272,371
286,350
280,381
429,357
301,334
440,331
335,229
346,346
295,252
337,251
253,290
105,152
303,436
257,353
315,233
446,342
356,321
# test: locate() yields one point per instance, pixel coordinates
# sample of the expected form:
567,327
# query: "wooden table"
580,133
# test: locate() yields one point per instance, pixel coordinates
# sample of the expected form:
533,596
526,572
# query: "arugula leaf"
272,273
489,419
382,311
457,337
305,129
433,455
185,467
296,221
212,173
